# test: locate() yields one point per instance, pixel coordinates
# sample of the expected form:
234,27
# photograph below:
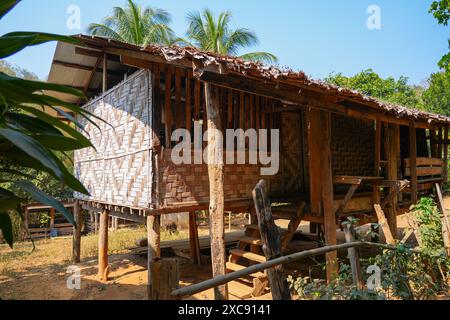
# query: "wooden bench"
429,172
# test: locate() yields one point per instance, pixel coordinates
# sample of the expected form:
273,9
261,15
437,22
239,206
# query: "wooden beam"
76,242
216,193
271,240
91,76
103,268
153,251
84,67
413,159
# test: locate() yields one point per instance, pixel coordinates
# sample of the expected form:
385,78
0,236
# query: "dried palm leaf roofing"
200,61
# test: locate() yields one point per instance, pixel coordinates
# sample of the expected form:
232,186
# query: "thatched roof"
200,61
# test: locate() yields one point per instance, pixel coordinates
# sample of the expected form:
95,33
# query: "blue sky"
316,36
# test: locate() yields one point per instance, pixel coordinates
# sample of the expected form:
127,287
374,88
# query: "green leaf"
8,201
31,124
33,148
58,123
6,227
6,6
42,197
59,143
14,42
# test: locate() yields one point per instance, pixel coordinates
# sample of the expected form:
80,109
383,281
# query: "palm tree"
213,35
136,25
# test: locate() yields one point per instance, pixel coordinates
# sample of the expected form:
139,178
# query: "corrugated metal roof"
201,60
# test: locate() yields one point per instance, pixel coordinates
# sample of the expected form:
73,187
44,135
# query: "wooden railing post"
271,239
353,256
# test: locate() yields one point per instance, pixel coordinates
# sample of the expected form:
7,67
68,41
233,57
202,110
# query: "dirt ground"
43,274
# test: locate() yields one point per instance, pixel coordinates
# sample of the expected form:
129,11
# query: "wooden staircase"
249,252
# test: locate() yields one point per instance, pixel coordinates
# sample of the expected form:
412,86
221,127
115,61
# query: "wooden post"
52,218
445,144
96,222
165,278
271,239
153,250
353,256
194,244
216,195
103,268
413,157
76,237
322,197
105,73
393,165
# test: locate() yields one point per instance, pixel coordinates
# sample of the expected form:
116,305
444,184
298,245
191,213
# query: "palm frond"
264,57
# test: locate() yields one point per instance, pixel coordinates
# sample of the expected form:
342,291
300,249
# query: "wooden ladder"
249,252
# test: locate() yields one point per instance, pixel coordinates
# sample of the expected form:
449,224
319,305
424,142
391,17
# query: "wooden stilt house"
340,152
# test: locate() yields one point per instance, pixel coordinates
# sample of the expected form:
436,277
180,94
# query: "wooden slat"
188,119
230,110
168,106
423,161
424,171
197,96
257,112
241,110
248,255
178,108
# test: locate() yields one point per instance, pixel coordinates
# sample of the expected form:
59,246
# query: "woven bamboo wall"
118,172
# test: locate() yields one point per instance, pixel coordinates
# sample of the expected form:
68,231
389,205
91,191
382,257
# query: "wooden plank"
178,108
230,124
424,161
103,267
242,111
248,255
353,256
168,107
347,180
76,244
165,279
382,221
271,239
197,96
188,101
446,155
413,159
425,171
216,193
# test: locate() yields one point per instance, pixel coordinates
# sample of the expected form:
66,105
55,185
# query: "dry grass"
59,250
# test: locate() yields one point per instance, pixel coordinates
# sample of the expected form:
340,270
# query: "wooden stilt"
76,243
216,198
165,278
413,157
322,197
393,165
194,243
103,268
153,250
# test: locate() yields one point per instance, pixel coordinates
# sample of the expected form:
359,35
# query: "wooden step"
240,290
248,255
250,240
236,267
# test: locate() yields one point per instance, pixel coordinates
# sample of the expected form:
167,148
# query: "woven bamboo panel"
117,171
188,183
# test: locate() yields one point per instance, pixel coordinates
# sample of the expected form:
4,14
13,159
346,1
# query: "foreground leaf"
6,227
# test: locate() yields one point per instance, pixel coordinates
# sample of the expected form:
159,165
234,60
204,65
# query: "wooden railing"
224,279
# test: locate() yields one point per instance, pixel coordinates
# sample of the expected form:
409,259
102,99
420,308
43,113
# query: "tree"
441,11
370,83
29,137
437,97
136,25
209,34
